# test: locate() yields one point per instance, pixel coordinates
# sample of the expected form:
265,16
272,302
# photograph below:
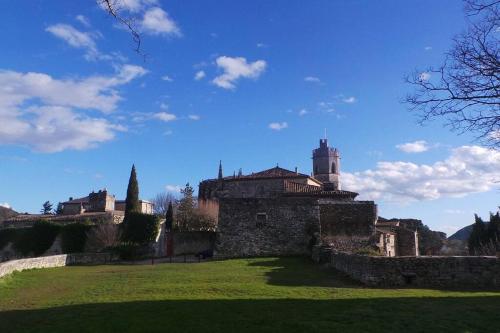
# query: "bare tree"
161,201
115,9
464,90
103,236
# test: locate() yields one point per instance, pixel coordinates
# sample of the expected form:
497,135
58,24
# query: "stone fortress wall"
432,271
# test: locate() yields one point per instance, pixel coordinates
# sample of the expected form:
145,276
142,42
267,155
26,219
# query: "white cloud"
425,76
83,20
194,117
468,169
303,112
326,107
5,205
349,100
151,19
454,211
39,112
428,48
167,78
235,68
163,106
278,126
94,92
418,146
56,128
312,79
156,21
164,116
173,188
494,135
261,45
76,39
199,75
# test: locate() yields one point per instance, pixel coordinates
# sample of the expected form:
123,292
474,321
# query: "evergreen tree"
494,226
46,208
132,200
169,217
477,236
186,207
59,209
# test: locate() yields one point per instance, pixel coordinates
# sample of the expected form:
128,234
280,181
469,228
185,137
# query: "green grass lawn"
246,295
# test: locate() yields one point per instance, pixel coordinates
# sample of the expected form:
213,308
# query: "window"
261,219
333,167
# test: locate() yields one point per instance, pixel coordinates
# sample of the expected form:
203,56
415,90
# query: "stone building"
284,212
97,207
100,201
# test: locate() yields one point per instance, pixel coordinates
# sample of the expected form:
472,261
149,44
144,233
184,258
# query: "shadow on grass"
444,314
301,271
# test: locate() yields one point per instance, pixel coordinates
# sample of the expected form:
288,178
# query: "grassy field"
267,295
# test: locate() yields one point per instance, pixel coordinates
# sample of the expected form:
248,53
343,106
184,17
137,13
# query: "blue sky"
251,83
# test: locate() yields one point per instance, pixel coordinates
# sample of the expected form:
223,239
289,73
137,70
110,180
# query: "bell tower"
326,166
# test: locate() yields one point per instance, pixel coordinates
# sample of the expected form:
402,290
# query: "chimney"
296,171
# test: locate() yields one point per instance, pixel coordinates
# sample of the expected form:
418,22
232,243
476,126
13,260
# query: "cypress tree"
477,236
132,200
169,217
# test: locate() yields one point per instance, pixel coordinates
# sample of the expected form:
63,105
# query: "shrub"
128,251
368,251
140,228
37,239
7,236
74,237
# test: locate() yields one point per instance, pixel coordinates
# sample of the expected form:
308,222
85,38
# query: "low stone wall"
11,266
447,272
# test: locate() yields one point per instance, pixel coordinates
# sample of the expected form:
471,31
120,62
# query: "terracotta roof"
275,172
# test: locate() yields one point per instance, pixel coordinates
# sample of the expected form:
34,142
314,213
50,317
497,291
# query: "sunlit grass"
265,294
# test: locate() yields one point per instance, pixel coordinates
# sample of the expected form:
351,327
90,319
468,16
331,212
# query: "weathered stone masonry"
258,227
448,272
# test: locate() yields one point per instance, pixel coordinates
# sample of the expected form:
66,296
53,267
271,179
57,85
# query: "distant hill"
464,233
6,213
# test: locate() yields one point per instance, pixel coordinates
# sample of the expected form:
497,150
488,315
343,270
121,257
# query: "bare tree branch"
465,90
113,8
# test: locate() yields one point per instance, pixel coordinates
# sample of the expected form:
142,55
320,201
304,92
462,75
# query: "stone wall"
11,266
406,242
347,218
272,226
445,272
192,242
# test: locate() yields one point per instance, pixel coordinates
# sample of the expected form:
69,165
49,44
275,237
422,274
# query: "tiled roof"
275,172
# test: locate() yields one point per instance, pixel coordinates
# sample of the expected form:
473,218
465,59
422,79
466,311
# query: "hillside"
6,213
464,233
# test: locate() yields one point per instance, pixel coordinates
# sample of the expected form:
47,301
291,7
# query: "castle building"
284,212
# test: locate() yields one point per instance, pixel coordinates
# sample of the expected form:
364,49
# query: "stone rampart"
445,272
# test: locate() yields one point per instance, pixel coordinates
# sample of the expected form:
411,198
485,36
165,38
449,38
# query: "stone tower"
326,165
